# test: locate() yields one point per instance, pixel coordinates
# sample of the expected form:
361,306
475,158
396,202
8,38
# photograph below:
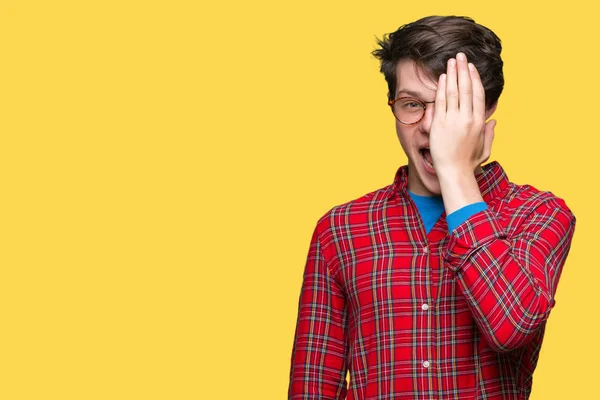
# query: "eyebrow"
410,93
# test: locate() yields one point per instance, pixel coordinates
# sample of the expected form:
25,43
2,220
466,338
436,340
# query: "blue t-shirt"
431,208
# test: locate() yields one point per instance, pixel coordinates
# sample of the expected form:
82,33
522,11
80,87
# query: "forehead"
411,78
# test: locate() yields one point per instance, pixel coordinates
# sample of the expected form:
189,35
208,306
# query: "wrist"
459,188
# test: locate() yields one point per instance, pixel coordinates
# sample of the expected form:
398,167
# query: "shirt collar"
491,182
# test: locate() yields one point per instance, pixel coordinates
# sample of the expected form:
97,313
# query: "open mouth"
427,160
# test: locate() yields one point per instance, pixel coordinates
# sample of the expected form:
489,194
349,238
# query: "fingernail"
471,67
461,56
451,62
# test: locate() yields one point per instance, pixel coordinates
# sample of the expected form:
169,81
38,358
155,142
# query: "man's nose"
425,123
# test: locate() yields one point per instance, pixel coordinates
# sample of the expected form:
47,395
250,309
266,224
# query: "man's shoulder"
355,211
521,197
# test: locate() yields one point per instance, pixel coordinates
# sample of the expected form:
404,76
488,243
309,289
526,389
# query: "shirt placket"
424,309
427,309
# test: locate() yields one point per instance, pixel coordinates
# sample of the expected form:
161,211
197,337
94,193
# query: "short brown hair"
431,41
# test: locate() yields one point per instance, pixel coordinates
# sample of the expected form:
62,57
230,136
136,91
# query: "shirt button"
425,249
425,307
426,364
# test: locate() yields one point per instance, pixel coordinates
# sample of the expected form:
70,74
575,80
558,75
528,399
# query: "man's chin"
431,183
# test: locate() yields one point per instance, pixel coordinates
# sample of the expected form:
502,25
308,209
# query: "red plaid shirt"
413,315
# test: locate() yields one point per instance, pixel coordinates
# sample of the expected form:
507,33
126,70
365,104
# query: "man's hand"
460,139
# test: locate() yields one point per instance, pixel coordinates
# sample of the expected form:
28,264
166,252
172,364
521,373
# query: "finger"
451,86
488,136
440,97
465,89
478,93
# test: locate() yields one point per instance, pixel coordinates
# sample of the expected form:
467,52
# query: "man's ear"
490,111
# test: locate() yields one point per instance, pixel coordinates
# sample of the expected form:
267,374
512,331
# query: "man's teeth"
425,158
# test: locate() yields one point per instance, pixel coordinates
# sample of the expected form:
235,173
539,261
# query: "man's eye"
411,104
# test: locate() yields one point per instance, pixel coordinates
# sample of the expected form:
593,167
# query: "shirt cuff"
477,231
461,215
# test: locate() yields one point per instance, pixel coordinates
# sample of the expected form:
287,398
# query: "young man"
439,285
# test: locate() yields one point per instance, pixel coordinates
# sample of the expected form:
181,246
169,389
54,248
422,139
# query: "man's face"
414,139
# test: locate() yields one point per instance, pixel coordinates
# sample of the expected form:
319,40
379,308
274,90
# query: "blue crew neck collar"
424,197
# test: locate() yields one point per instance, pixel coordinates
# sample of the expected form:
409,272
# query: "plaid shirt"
442,315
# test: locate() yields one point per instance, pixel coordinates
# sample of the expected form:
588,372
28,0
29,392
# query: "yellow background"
163,165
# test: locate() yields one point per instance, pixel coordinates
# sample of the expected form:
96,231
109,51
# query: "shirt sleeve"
318,364
510,282
461,215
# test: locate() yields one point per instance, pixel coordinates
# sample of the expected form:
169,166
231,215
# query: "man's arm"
510,282
318,365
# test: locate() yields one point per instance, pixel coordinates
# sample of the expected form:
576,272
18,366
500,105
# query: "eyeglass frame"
421,102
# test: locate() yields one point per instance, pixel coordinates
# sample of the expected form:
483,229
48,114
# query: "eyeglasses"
408,110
